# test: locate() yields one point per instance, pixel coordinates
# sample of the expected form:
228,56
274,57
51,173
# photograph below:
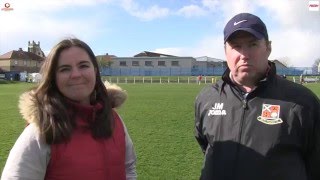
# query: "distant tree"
105,61
315,66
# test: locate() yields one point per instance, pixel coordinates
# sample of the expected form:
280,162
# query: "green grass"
315,87
160,121
159,118
11,122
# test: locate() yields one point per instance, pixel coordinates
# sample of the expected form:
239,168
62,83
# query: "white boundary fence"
161,80
184,79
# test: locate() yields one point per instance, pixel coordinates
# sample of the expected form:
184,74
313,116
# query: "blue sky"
177,27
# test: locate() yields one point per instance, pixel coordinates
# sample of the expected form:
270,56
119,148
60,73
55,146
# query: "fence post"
188,80
134,79
151,79
178,80
126,80
160,81
168,80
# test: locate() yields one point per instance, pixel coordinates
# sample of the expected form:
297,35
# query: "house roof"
152,54
278,62
106,55
1,70
208,59
20,54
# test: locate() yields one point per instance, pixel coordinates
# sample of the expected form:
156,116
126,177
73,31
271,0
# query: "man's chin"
245,78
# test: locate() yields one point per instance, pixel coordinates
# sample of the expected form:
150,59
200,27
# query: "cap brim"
251,31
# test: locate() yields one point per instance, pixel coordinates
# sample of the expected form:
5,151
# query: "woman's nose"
75,73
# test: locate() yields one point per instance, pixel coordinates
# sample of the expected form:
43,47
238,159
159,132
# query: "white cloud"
301,48
147,14
176,51
36,20
191,11
292,13
229,8
209,46
210,4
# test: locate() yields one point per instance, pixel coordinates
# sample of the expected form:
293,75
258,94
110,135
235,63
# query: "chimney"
20,49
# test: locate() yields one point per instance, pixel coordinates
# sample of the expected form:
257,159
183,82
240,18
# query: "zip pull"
244,104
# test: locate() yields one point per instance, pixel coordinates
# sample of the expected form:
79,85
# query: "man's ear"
269,47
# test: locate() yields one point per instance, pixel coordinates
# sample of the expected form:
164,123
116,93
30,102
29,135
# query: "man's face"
247,57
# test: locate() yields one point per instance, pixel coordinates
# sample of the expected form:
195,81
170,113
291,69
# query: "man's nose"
245,52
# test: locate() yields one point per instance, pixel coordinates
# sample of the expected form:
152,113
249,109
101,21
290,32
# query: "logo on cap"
246,22
236,23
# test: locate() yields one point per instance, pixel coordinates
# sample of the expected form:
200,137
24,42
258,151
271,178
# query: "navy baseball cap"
246,22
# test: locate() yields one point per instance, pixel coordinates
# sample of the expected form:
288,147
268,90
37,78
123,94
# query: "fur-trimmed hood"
29,110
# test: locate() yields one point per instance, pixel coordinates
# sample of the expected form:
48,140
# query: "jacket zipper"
244,107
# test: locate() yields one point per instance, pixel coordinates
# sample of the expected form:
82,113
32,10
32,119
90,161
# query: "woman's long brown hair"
56,125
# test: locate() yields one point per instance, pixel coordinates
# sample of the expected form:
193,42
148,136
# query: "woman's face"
75,75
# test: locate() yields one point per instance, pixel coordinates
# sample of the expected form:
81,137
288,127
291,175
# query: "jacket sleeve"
313,153
198,126
131,158
28,158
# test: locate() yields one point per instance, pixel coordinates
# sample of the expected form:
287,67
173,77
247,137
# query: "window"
161,63
148,63
174,63
123,63
25,62
135,63
15,62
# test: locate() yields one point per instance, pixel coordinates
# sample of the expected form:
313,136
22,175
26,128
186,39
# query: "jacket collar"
271,72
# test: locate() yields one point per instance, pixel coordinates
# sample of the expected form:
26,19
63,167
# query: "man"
253,124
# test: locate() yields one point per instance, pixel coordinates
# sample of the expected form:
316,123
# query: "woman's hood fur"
29,109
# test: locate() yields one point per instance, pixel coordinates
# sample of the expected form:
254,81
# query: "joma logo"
217,109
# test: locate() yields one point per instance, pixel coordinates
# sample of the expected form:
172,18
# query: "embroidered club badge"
270,114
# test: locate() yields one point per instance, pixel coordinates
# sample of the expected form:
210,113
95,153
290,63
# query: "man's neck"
245,87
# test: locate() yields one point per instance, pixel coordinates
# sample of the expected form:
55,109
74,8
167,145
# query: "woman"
73,131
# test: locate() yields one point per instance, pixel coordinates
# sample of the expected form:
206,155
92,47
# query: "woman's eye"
64,69
84,66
